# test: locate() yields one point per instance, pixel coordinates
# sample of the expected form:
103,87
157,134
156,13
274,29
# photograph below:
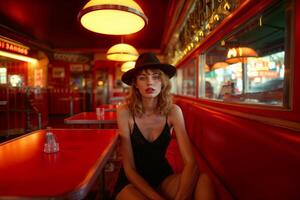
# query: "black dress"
149,157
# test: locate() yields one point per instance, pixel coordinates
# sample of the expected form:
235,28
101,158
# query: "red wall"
59,82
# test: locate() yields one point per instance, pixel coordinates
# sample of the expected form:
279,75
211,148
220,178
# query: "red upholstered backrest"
249,159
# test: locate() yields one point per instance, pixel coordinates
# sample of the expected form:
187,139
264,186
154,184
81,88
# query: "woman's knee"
130,192
205,188
169,186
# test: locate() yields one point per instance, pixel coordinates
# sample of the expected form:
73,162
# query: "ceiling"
53,25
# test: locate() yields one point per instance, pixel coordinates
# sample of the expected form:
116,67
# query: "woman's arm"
189,176
127,154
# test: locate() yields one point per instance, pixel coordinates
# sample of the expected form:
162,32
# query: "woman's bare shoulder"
124,119
175,110
123,109
175,116
175,113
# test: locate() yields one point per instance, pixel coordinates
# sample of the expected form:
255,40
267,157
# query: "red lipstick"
149,90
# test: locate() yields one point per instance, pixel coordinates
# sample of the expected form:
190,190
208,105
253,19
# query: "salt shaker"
100,112
50,146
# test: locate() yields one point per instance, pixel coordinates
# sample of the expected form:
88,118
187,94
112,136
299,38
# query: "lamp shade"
122,52
112,17
219,65
206,68
240,54
127,66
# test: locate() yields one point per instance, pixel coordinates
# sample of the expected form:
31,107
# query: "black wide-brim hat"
147,61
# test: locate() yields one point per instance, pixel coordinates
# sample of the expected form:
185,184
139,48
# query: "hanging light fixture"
127,66
206,68
219,65
122,52
112,17
240,54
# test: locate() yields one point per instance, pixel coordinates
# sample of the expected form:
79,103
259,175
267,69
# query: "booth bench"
246,159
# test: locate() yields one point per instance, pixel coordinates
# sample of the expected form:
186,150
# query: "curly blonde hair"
164,103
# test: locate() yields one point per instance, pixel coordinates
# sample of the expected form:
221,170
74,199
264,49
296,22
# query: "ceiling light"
122,52
18,57
219,65
127,66
240,54
206,68
112,17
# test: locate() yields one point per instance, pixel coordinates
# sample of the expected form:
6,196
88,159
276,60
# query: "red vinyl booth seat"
246,159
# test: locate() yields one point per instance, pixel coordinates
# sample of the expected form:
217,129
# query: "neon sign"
13,47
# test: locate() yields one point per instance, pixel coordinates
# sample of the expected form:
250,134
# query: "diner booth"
237,83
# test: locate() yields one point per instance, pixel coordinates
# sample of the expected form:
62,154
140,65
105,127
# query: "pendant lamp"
206,68
112,17
240,54
127,66
219,65
122,52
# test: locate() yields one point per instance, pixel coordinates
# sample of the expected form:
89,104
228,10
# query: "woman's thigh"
130,192
169,186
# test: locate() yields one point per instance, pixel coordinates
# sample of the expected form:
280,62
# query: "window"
174,85
248,66
186,79
3,75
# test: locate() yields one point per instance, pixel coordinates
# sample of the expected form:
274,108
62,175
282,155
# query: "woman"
145,125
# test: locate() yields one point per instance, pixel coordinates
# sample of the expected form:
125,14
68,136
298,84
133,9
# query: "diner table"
108,107
90,118
27,172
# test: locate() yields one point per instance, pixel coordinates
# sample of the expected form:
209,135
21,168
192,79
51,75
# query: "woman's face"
149,83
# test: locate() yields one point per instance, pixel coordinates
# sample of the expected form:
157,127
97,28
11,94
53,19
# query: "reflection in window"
186,79
266,73
224,80
248,65
174,86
